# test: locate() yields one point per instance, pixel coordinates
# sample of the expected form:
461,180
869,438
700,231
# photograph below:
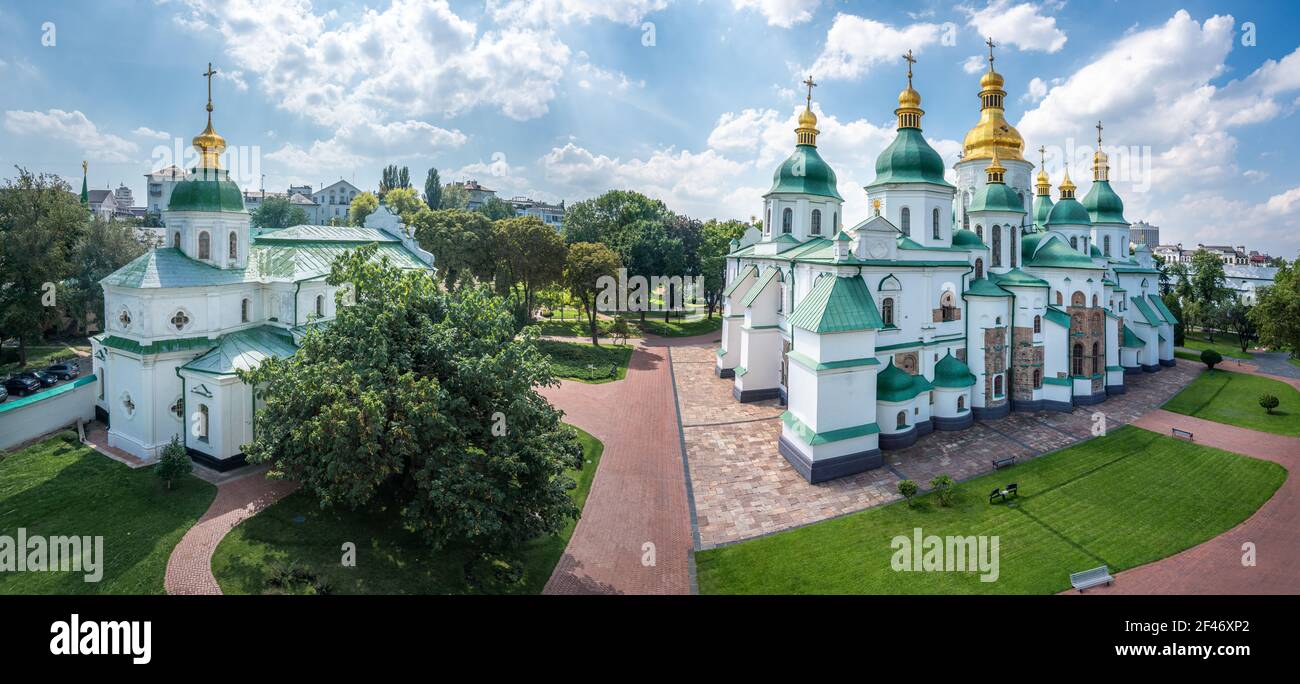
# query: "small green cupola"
1102,202
209,187
804,171
909,158
1042,193
1068,211
951,372
995,196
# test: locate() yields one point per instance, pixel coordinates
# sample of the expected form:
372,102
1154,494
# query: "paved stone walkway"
1215,566
1276,363
744,488
634,536
189,570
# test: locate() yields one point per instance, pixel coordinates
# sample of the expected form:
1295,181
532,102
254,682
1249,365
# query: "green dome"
816,176
951,372
206,191
1068,212
967,238
894,384
1042,209
909,159
1103,204
996,197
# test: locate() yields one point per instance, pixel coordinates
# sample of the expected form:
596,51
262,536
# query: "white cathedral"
949,304
181,320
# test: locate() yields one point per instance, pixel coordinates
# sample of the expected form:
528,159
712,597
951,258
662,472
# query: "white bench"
1181,434
1091,578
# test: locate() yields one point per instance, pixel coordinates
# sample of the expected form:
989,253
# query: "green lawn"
60,487
1233,398
390,560
38,357
1224,342
570,360
678,327
1122,500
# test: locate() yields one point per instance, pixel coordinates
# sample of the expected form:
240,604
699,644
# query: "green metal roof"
1150,315
963,237
325,234
804,171
244,350
997,197
157,346
952,372
984,287
207,190
757,288
1131,340
1058,317
1017,278
1103,204
1164,311
740,278
1050,250
1068,212
837,304
1042,209
909,159
895,384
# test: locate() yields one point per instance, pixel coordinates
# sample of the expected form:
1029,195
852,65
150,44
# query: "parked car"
4,394
44,378
64,370
22,385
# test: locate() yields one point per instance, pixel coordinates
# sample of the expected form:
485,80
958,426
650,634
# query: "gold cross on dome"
910,61
1099,134
991,45
811,84
210,73
1042,156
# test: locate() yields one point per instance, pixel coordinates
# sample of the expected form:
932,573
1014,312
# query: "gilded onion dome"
1068,210
209,188
909,158
993,130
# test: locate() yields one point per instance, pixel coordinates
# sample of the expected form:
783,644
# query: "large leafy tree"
363,205
610,218
41,224
277,212
715,244
405,202
393,177
433,190
1276,313
454,197
1236,317
496,209
530,256
105,247
424,400
460,241
584,266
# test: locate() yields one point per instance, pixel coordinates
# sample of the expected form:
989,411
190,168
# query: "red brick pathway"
1215,567
189,570
639,495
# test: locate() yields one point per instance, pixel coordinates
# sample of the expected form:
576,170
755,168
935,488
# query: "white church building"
949,304
181,320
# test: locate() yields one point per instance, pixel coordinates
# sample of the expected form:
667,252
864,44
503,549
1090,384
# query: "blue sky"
690,101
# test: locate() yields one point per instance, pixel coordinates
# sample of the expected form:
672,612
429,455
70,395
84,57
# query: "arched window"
1077,366
1038,324
205,245
979,232
176,239
907,221
1015,232
902,419
1074,242
1078,299
979,268
997,385
948,305
997,245
234,245
1038,378
887,310
961,402
320,305
1105,242
934,223
1096,360
787,220
835,221
767,225
817,222
1094,299
202,427
1058,298
244,307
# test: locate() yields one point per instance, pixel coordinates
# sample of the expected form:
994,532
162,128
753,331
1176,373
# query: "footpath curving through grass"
389,559
1123,500
62,487
1233,398
571,360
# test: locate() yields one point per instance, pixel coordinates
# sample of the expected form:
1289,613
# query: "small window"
787,220
817,222
201,429
902,419
1058,298
205,245
835,221
997,385
979,268
234,246
1038,324
1094,300
1076,367
997,245
1105,242
767,225
244,307
907,221
178,408
948,306
124,318
320,305
1078,299
961,402
176,240
934,223
180,320
979,232
1074,242
887,311
1096,359
1038,378
1015,231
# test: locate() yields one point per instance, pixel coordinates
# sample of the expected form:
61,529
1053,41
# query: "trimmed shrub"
944,488
173,462
1268,402
908,489
1211,358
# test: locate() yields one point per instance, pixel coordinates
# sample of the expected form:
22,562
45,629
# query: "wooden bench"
1181,434
1003,462
1091,578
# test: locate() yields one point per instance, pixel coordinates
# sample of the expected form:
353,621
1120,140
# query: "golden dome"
210,145
992,80
1067,186
807,118
909,98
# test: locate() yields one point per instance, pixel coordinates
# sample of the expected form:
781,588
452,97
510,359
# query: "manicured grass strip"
390,560
1123,500
1224,342
1233,398
570,360
61,487
679,328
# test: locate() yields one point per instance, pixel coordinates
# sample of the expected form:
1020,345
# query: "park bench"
1091,578
1003,462
598,374
1181,434
1012,489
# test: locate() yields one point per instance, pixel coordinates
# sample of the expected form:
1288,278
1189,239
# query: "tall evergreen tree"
433,190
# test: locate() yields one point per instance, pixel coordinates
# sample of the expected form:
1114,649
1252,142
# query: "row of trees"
1200,297
52,256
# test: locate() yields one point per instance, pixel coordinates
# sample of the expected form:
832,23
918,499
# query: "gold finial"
991,45
84,167
1067,185
909,101
209,143
996,172
806,132
910,61
1100,166
1043,186
210,73
1098,134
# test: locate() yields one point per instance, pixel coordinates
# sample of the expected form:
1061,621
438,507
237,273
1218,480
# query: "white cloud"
365,144
1254,175
782,13
855,44
1037,89
73,128
235,77
542,12
589,76
146,132
974,64
1022,25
